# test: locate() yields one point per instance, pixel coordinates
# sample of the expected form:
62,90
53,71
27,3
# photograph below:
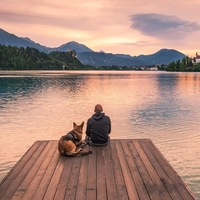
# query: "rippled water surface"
165,107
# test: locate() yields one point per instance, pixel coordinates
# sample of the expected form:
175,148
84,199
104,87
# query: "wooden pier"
125,169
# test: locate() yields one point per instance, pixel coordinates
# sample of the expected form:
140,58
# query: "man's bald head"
98,108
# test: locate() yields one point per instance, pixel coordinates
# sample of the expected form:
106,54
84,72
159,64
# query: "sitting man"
98,128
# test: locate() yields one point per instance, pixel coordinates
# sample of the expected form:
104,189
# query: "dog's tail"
85,152
80,153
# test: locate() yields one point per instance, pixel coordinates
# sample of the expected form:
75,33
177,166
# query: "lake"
162,106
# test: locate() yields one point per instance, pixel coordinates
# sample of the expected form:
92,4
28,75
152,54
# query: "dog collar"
71,136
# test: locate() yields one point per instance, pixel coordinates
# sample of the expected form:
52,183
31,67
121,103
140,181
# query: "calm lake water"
165,107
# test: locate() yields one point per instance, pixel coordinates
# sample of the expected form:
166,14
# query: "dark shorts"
88,141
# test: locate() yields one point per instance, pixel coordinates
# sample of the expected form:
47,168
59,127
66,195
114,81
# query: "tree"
14,58
171,67
185,65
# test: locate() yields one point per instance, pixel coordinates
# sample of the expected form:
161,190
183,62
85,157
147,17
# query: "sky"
131,27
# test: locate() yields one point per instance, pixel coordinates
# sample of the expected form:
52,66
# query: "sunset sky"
115,26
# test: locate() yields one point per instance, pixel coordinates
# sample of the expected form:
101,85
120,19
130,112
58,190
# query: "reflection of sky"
173,99
134,99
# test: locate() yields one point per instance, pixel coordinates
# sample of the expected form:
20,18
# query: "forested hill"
15,58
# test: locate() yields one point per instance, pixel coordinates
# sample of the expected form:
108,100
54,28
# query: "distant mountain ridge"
79,48
88,56
12,40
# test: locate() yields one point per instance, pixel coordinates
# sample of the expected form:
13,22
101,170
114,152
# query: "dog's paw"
83,144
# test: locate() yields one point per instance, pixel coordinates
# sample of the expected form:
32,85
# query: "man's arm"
88,129
109,130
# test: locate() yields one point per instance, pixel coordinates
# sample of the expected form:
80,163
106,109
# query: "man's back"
98,126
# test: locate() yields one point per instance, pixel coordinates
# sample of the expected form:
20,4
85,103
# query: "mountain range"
88,56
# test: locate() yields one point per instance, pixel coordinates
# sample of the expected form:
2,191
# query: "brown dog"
67,145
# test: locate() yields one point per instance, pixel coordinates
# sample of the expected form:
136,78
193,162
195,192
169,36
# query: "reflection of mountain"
88,56
14,88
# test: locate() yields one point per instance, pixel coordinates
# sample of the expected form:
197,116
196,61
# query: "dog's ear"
74,124
82,124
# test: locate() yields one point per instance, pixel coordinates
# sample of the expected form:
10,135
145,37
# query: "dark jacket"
98,128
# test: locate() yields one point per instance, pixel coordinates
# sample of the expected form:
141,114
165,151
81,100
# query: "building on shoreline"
197,58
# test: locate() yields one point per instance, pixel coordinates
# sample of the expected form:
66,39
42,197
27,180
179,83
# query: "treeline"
20,58
185,65
15,58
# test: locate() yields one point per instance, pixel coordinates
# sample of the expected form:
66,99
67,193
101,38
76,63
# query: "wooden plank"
51,189
101,181
132,192
149,184
176,179
73,179
32,172
158,184
164,184
64,179
5,183
134,172
109,174
42,187
20,176
41,172
117,171
92,175
82,181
